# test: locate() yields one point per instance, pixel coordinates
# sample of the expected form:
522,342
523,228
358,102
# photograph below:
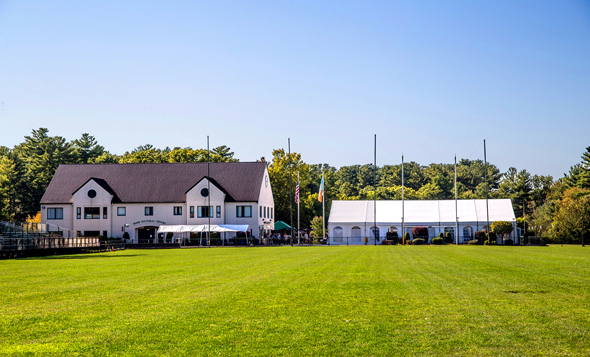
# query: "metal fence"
399,240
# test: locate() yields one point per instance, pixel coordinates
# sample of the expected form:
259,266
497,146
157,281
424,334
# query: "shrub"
473,242
449,238
125,235
407,239
508,242
437,241
492,237
390,235
420,232
480,236
418,241
491,240
502,228
441,235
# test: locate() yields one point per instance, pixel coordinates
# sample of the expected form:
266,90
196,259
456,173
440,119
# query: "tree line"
552,208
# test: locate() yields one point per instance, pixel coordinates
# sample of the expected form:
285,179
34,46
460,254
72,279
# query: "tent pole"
403,217
456,214
375,234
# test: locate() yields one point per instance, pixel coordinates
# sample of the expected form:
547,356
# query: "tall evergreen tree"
579,174
87,149
42,154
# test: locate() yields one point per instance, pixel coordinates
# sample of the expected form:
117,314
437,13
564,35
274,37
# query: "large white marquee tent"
352,221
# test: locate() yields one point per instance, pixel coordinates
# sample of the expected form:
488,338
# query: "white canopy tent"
223,228
356,218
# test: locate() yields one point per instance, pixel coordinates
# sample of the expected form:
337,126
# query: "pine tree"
41,155
579,175
585,176
87,149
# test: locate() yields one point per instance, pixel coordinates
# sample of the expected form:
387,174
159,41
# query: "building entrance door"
146,234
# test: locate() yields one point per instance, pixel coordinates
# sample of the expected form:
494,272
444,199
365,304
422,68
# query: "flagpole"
403,217
323,206
298,217
290,192
209,210
456,214
486,179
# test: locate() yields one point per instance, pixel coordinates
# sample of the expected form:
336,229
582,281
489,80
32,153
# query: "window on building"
55,213
79,213
78,234
272,212
204,211
192,211
121,211
104,233
91,233
355,234
91,213
375,231
243,211
104,213
338,232
218,211
260,212
178,210
467,233
149,211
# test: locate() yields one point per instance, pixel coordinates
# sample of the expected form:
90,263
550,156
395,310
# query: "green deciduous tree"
317,226
278,171
572,216
502,228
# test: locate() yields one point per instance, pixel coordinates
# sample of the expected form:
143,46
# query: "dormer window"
91,193
205,192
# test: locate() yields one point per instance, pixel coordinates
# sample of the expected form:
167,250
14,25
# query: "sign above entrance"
148,221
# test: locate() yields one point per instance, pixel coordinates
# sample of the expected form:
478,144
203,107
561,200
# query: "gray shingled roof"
152,183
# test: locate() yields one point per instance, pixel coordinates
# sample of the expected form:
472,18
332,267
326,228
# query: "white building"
114,199
351,222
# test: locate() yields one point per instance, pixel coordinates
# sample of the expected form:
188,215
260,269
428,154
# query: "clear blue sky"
430,78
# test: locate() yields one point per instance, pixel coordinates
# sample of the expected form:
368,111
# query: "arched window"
355,234
467,233
338,235
393,229
485,228
375,232
450,230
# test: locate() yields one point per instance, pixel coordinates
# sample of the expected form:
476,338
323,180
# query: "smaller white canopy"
202,228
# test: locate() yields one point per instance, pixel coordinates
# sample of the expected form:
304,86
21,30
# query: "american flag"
297,190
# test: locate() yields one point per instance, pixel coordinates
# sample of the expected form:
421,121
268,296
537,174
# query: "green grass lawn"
347,301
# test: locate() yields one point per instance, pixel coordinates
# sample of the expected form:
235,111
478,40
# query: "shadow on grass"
82,256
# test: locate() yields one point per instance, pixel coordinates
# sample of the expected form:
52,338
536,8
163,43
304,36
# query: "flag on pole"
297,190
321,195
